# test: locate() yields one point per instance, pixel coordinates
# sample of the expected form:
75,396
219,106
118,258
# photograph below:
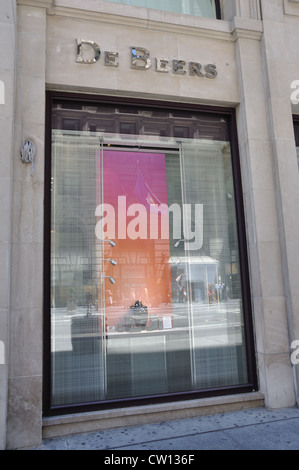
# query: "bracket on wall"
28,152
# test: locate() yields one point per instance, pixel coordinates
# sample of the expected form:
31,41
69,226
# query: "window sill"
59,426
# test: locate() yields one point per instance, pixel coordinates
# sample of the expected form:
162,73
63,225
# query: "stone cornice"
249,29
150,19
291,7
155,20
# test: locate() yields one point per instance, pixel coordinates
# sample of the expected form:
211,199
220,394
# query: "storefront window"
147,295
205,8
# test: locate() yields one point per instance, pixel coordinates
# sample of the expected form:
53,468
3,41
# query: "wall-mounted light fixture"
112,261
178,242
112,243
110,279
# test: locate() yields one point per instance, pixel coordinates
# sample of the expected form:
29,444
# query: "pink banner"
134,185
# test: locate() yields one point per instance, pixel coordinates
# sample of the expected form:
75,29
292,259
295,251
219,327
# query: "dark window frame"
218,9
252,385
296,130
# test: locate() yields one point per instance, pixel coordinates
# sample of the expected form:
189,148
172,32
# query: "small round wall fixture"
28,152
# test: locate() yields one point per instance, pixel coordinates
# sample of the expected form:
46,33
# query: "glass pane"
205,8
210,265
77,350
146,292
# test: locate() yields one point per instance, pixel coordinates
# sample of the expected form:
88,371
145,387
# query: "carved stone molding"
247,9
291,7
36,3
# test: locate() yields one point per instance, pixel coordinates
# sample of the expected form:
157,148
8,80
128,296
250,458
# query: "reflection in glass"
146,294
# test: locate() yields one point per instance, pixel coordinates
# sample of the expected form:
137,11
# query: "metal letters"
161,65
111,59
93,45
140,60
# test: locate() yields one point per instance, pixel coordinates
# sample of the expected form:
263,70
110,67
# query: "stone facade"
257,61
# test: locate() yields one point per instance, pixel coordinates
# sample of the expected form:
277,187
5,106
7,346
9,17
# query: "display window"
146,281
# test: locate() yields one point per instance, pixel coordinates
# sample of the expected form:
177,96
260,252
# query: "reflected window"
205,8
148,291
296,131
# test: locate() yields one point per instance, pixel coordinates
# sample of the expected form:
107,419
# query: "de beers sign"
88,52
